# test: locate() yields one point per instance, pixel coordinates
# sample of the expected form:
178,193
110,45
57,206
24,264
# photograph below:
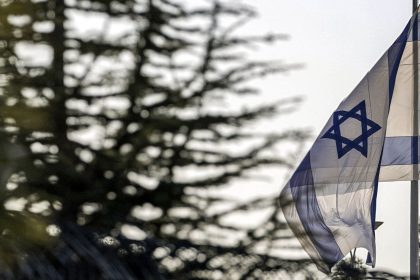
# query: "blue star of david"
360,143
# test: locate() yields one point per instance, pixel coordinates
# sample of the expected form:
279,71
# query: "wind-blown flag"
330,200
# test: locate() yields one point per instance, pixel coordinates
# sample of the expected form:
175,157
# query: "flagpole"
414,194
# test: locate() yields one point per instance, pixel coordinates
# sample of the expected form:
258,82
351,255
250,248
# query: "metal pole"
414,194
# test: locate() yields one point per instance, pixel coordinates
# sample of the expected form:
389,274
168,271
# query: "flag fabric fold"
330,200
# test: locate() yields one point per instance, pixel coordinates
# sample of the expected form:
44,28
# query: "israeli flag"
330,200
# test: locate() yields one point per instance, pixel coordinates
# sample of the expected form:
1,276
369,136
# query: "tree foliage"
116,117
354,268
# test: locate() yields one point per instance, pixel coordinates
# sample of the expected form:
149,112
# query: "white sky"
338,41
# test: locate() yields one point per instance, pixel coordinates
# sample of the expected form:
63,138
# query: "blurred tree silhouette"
354,269
115,115
350,269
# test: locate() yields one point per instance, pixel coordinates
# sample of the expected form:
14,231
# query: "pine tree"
110,111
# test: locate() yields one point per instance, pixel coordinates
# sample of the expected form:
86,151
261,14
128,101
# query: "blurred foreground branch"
116,119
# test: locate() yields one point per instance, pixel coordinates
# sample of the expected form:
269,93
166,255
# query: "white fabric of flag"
330,200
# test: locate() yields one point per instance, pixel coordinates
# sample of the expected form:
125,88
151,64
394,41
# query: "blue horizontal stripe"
413,36
304,195
398,151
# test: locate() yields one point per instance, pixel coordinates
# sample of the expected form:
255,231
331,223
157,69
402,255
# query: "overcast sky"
339,41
